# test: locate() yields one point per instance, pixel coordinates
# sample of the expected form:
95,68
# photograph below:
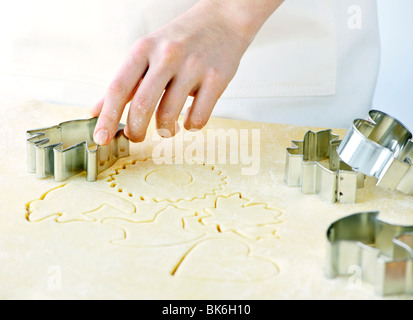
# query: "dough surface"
182,230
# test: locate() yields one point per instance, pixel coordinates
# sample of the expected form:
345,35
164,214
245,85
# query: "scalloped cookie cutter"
383,252
304,168
68,148
380,147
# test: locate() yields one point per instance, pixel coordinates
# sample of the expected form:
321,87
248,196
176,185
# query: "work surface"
186,230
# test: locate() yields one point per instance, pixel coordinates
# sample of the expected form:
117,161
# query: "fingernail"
101,137
193,129
165,133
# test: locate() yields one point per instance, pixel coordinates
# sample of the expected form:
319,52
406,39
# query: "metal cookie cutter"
304,168
68,149
379,253
382,148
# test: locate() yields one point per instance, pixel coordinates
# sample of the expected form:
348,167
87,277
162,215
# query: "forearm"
245,17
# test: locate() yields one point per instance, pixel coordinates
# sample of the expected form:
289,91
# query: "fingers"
118,94
204,102
171,105
147,94
144,103
153,69
95,111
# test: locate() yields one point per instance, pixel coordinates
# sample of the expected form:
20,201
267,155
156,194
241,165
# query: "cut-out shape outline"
211,190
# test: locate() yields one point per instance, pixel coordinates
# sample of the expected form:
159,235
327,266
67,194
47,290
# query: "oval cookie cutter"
380,147
381,252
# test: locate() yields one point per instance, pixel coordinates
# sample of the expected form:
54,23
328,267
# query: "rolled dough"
184,230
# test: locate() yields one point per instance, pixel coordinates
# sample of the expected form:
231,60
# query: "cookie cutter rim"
380,147
303,168
382,251
68,148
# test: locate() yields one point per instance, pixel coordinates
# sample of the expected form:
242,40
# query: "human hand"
196,55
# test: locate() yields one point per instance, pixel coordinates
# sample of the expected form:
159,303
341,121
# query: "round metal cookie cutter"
380,147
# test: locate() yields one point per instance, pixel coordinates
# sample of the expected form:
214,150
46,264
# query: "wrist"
244,17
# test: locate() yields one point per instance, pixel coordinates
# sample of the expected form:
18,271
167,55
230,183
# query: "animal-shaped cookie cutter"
380,147
68,148
306,167
382,252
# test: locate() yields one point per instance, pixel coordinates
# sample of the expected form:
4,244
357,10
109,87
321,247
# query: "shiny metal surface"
68,149
380,147
313,164
380,252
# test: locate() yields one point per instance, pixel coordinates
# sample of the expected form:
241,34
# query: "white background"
394,92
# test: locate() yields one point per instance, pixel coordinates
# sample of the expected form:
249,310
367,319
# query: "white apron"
314,62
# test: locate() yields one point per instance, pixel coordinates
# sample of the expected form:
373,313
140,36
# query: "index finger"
118,95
